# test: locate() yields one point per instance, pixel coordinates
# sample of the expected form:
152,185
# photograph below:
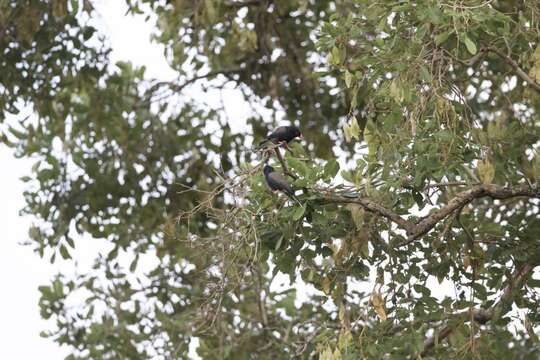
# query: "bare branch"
179,87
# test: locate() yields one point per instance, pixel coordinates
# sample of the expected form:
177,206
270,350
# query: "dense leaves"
417,232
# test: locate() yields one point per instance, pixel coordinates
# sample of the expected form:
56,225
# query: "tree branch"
417,230
179,87
283,165
481,316
522,74
449,184
507,59
241,4
374,207
465,197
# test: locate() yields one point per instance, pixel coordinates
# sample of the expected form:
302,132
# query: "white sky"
21,272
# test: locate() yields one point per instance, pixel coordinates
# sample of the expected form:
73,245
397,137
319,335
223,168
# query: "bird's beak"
301,136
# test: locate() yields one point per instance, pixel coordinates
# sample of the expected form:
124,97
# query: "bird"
282,134
276,182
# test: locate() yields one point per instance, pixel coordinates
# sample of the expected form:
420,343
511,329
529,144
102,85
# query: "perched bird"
282,134
276,182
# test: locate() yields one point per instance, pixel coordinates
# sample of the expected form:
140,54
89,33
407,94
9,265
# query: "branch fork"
416,230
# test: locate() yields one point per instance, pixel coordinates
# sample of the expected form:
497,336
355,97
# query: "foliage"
420,172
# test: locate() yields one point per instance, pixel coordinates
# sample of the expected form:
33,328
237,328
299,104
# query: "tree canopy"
418,224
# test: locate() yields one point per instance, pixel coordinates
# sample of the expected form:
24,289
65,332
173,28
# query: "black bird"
276,182
282,134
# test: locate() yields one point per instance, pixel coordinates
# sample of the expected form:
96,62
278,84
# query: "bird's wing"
277,181
278,133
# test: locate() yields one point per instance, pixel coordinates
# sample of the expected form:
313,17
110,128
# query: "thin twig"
284,166
179,87
448,184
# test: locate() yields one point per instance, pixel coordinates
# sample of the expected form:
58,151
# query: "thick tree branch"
481,316
465,197
417,230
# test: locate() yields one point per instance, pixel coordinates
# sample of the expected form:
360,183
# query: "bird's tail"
292,196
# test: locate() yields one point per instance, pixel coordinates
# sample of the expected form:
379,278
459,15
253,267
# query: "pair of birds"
274,180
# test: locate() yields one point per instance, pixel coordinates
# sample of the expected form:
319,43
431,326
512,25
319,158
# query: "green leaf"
64,252
58,287
35,167
88,32
348,175
470,45
288,303
441,38
34,233
70,241
133,264
46,291
347,132
74,6
18,134
351,130
421,289
331,169
424,73
348,78
326,251
297,165
298,213
418,198
335,56
278,243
